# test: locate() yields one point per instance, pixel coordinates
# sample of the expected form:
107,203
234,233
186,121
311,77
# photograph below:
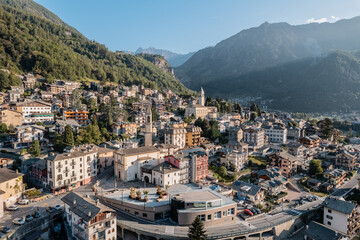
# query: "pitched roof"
252,189
165,167
339,205
319,231
139,150
7,174
81,207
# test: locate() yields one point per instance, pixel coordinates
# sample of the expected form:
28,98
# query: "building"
200,110
236,159
162,174
60,125
310,142
254,137
183,162
318,231
341,216
35,111
2,97
80,116
105,158
345,160
199,166
11,183
74,168
10,117
285,161
335,176
235,134
175,136
193,135
26,134
128,162
38,173
211,207
248,192
88,219
14,96
276,133
148,126
127,128
29,81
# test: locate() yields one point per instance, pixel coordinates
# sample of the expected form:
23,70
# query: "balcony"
59,166
72,163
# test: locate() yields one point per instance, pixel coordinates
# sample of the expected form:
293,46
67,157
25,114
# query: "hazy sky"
187,25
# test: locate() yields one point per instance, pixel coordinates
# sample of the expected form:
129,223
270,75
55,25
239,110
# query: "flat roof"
203,196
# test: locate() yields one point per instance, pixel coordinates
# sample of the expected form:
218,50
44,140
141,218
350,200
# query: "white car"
23,201
57,207
12,208
19,221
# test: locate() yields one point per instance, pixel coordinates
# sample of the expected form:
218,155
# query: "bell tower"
148,126
201,100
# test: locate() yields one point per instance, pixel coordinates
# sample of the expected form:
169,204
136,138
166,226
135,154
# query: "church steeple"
148,126
201,100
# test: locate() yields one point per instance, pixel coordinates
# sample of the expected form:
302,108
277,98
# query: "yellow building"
128,128
10,117
11,183
193,135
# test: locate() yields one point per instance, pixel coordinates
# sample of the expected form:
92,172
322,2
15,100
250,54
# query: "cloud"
322,20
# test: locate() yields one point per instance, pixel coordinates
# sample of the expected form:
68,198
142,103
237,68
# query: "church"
200,110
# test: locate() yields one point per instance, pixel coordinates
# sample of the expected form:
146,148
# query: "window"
231,211
217,215
329,217
329,210
209,217
202,217
136,213
329,223
224,213
144,214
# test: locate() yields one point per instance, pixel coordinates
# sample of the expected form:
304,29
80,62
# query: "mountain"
263,52
158,61
174,59
56,51
329,83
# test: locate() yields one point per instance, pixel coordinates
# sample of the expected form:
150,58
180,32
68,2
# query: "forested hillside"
32,43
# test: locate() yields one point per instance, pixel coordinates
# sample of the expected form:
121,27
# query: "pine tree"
35,151
196,230
68,136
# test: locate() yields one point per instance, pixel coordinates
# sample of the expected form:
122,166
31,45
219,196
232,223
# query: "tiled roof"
7,174
318,231
339,205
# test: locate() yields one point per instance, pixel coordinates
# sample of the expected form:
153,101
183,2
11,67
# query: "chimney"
74,202
89,214
17,171
97,202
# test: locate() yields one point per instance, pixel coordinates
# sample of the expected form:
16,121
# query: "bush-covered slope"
32,43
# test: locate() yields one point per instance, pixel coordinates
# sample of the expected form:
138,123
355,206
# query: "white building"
162,174
35,111
175,136
341,215
237,159
254,137
26,134
276,134
88,219
72,169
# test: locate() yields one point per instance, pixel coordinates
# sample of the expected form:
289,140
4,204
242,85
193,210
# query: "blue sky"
187,25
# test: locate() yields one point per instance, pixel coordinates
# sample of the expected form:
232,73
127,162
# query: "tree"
222,171
3,128
75,99
196,230
315,167
69,136
35,151
154,114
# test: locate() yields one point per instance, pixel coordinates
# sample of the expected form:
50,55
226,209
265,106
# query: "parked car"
12,208
258,211
2,235
19,221
29,218
301,202
51,209
254,211
57,207
4,229
248,212
36,214
23,201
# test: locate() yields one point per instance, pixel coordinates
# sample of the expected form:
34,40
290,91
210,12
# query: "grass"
258,160
244,171
304,186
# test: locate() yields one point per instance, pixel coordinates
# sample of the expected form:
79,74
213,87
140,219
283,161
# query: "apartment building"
254,137
10,117
193,135
236,159
14,96
276,133
343,216
310,141
26,134
162,174
175,136
345,160
80,116
35,111
74,168
128,128
89,219
11,186
285,161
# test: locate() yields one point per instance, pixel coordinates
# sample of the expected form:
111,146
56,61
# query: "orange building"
193,135
80,116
